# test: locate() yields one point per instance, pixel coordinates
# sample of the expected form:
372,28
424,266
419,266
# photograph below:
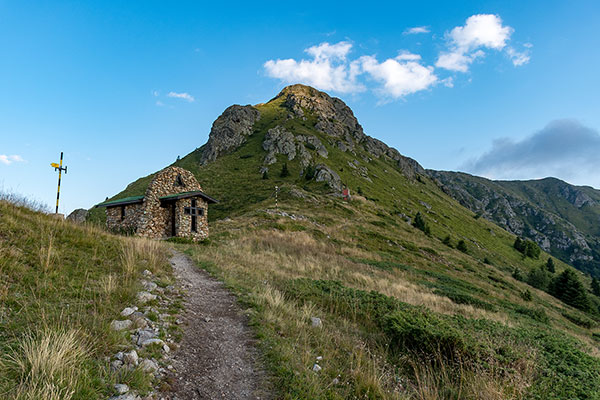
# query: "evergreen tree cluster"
527,247
568,288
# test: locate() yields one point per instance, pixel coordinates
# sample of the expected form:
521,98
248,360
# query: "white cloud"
400,76
328,70
518,58
7,160
482,31
416,30
183,96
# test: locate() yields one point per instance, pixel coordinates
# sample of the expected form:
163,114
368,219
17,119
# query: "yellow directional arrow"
55,165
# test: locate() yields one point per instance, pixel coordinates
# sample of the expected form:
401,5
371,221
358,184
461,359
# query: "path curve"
217,357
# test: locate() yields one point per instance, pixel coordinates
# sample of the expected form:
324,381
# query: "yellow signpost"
60,169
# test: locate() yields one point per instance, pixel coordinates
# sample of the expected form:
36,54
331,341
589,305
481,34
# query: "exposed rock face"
325,174
229,131
279,141
530,215
337,120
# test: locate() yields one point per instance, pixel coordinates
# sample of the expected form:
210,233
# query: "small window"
122,213
179,180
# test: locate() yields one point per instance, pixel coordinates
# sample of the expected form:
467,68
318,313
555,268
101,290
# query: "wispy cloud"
480,32
564,148
7,160
184,96
416,30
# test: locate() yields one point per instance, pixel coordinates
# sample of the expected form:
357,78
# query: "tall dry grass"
139,253
47,364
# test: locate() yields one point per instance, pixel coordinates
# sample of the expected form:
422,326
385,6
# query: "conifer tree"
420,223
550,265
596,287
568,288
284,171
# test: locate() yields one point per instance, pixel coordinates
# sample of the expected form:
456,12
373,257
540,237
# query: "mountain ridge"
562,218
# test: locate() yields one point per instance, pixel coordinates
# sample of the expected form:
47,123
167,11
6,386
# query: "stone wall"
184,222
156,221
129,224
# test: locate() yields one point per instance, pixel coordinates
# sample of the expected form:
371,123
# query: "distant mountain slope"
563,219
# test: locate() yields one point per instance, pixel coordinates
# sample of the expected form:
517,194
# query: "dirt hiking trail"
217,357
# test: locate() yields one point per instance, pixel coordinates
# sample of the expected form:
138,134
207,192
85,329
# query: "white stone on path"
127,311
144,297
120,325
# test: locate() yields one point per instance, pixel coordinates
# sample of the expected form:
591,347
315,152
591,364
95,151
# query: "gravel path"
217,358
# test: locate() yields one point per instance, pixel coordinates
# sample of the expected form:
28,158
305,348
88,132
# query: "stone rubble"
145,330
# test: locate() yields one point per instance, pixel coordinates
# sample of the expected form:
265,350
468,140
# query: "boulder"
120,325
131,358
329,176
144,297
79,216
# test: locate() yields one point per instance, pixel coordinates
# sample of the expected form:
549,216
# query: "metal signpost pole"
60,169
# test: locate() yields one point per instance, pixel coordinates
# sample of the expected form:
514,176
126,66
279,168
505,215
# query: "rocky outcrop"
325,174
280,141
229,131
336,119
78,216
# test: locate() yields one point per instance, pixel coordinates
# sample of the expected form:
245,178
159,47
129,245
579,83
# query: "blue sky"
502,89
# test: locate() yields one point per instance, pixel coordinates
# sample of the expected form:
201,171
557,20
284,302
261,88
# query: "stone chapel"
173,206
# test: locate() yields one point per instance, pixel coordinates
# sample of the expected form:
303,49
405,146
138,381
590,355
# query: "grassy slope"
514,346
61,285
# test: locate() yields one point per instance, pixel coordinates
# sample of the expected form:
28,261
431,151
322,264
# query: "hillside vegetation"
562,218
60,286
418,296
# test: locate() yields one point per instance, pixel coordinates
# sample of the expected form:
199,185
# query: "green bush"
536,314
309,172
527,247
447,241
265,174
526,295
517,274
420,330
462,246
579,320
539,278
